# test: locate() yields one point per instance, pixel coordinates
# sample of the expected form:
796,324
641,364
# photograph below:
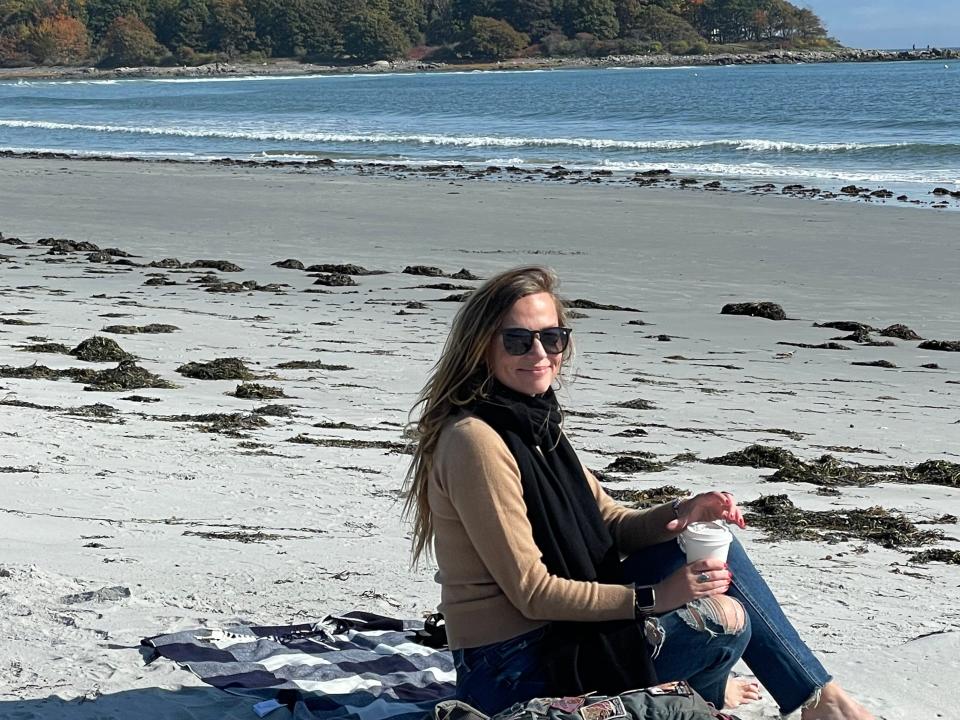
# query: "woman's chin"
531,385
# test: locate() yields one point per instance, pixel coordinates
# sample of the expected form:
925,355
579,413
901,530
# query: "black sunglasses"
518,341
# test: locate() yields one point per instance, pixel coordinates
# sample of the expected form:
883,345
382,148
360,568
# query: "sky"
890,23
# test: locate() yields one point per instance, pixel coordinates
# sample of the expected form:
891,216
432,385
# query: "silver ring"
702,577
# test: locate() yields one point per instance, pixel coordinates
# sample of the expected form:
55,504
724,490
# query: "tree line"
146,32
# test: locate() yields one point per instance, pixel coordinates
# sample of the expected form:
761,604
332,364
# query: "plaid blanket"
357,666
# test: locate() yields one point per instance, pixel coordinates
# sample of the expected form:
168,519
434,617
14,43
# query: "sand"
203,527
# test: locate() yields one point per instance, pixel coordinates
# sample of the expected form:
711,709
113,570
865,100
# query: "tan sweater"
494,585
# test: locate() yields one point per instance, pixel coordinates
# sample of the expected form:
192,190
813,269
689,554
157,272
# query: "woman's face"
533,372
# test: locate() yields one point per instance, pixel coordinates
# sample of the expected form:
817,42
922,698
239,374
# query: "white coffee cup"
703,540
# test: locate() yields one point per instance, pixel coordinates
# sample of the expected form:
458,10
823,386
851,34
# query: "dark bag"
673,701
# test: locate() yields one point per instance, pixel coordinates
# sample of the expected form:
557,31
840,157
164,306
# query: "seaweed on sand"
232,424
32,372
334,280
581,304
100,349
847,326
763,309
289,264
239,535
826,470
821,346
756,456
255,391
153,328
309,365
944,345
125,376
649,496
782,520
636,404
442,286
932,472
343,269
423,270
646,462
898,330
97,410
46,347
950,557
394,447
220,369
830,471
273,411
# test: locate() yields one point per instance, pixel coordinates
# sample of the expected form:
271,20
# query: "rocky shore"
285,67
937,198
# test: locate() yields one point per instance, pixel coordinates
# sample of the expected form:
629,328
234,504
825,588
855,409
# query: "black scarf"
608,657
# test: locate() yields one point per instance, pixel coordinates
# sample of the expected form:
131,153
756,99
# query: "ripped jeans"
696,647
781,661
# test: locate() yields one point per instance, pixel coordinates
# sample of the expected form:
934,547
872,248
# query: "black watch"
645,597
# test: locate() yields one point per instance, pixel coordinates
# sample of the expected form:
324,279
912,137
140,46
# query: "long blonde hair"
461,376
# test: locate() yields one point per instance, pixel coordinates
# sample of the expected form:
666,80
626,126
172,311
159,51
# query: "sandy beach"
283,509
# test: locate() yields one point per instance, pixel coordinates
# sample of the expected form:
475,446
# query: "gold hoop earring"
486,385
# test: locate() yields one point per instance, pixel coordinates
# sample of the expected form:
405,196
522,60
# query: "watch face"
645,597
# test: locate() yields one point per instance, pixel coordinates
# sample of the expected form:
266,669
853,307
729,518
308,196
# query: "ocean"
890,125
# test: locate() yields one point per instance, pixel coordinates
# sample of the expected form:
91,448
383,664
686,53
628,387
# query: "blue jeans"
495,676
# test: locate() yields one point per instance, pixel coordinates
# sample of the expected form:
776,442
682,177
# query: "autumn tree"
59,40
101,13
128,41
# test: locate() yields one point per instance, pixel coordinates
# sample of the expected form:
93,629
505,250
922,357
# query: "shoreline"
937,198
285,66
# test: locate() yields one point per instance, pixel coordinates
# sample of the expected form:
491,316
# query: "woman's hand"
707,507
702,578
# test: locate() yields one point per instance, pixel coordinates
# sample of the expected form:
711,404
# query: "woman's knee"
717,615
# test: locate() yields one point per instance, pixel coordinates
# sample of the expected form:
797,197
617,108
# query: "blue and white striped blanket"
357,666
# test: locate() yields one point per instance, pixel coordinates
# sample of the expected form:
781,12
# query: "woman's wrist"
678,510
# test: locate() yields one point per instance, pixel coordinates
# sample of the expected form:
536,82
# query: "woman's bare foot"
835,704
740,691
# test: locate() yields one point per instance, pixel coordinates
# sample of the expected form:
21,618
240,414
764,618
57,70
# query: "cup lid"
715,529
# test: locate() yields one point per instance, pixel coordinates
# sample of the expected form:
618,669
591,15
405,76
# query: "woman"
536,599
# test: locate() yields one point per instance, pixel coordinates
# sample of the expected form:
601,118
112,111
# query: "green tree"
128,41
655,23
491,39
528,15
374,36
596,17
193,19
231,28
410,17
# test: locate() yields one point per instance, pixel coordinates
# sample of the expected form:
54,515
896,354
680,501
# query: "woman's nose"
536,347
